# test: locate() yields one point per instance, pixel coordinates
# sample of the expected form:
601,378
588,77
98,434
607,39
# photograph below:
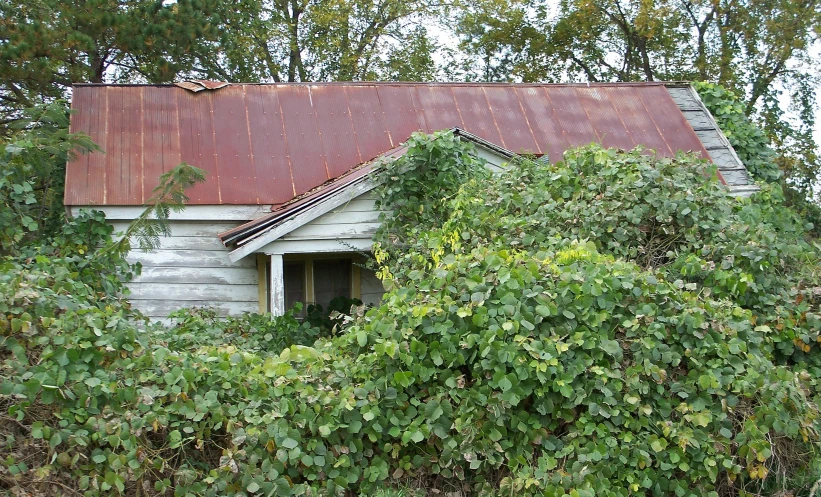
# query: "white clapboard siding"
363,203
316,246
350,226
188,258
371,216
333,231
207,275
196,291
192,228
191,268
190,213
371,289
159,309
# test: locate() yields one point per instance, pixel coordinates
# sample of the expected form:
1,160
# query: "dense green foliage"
610,325
765,51
747,139
753,148
32,173
657,328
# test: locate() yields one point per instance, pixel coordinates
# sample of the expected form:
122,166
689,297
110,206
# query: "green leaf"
289,443
505,384
611,347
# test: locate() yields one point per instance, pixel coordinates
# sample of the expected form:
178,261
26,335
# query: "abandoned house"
286,207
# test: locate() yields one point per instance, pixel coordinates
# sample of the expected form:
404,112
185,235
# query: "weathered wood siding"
191,269
347,228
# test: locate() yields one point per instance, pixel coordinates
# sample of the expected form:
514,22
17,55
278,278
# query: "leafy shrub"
96,404
612,322
255,333
753,148
334,317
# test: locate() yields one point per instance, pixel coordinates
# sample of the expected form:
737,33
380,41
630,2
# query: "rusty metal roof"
305,201
266,144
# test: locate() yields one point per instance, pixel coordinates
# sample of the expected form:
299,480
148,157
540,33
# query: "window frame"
309,288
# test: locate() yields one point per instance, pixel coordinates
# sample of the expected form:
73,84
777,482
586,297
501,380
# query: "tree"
310,40
32,172
48,45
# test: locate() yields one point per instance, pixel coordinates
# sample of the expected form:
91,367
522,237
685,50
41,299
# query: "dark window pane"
332,278
294,275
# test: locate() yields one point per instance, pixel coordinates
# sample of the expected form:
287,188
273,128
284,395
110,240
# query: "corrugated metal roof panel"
604,118
308,165
233,144
273,171
369,126
266,144
123,179
473,108
670,122
401,116
509,116
196,143
336,129
438,107
637,120
546,129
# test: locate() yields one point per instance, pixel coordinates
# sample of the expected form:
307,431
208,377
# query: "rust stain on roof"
265,144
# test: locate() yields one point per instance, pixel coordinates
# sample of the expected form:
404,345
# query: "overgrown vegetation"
614,324
753,148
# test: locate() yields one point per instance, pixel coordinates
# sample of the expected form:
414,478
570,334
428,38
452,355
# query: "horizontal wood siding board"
371,216
191,213
333,231
186,228
193,291
358,204
333,201
187,258
198,275
162,308
185,243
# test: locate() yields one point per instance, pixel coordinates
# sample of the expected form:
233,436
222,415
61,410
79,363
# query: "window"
317,281
332,279
294,276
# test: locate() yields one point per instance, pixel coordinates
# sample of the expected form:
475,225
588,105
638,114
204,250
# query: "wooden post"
277,286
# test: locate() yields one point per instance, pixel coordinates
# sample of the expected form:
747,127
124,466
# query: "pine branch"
153,222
